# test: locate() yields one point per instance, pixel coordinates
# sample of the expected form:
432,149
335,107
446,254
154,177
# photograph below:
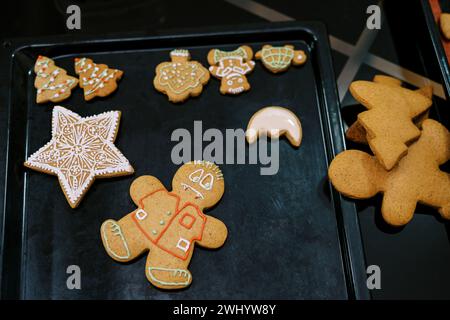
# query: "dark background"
406,273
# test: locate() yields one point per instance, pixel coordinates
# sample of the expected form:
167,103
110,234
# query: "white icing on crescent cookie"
274,122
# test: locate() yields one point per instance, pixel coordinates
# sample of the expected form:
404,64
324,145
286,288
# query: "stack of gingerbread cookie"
407,147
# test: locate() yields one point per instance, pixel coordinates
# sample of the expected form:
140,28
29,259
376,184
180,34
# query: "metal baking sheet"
291,236
414,260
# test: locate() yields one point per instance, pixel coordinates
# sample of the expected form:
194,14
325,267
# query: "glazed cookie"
97,80
181,77
81,150
52,83
416,178
167,224
388,121
278,59
356,131
275,122
231,67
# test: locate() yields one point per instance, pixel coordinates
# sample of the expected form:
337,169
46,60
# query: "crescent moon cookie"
180,78
97,80
274,122
278,59
231,68
81,150
52,83
167,225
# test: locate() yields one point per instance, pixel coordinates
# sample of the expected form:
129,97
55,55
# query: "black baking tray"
414,260
291,236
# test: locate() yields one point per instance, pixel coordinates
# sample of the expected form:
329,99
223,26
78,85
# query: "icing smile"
236,90
198,194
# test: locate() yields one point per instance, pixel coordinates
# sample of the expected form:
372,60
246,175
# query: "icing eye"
207,182
229,82
196,175
240,80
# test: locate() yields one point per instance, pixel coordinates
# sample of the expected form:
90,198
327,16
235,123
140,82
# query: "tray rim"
350,239
435,36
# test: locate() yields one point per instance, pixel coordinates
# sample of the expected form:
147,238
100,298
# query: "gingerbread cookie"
445,25
388,121
81,150
231,67
274,122
97,80
356,131
278,59
181,77
52,83
169,223
416,178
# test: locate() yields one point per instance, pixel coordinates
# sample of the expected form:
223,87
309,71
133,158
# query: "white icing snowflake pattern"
80,150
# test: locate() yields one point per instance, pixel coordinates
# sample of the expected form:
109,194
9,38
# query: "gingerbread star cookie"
231,68
52,83
97,80
180,78
81,150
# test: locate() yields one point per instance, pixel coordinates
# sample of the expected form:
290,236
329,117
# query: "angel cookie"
97,80
231,67
81,150
181,77
52,83
278,59
167,224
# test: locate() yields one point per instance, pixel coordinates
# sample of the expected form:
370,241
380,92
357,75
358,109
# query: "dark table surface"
403,273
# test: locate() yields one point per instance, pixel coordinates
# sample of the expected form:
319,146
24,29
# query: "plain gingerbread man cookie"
167,224
416,178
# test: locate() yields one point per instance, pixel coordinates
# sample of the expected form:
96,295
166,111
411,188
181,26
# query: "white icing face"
200,182
204,181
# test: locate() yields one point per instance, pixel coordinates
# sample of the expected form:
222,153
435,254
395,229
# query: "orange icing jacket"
171,228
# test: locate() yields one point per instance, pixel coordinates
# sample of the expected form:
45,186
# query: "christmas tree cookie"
52,83
96,79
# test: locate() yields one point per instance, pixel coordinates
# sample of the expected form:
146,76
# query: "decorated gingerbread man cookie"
167,224
81,150
231,67
97,80
52,83
416,178
181,77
